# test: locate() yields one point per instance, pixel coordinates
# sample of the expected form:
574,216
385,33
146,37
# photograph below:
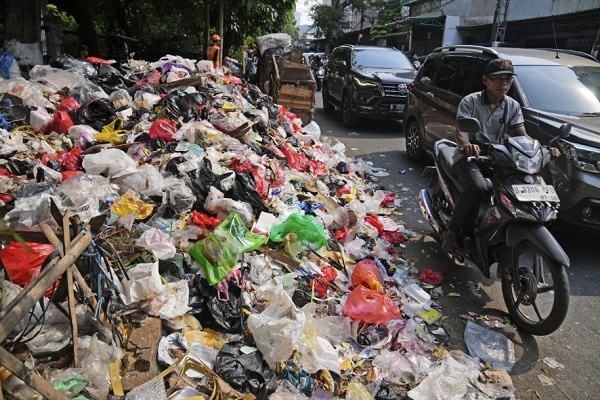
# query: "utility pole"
499,25
221,33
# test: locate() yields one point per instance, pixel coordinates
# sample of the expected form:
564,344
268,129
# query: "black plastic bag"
193,106
246,373
96,113
222,316
67,62
244,189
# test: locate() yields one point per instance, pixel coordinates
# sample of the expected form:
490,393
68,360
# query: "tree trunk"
22,22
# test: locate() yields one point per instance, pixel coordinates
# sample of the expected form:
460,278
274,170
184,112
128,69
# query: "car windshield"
561,89
380,59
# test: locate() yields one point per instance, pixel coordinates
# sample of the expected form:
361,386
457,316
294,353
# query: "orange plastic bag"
366,273
370,306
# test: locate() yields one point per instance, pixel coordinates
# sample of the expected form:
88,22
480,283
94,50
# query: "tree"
330,21
389,12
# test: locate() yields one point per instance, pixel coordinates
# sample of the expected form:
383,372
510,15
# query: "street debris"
169,230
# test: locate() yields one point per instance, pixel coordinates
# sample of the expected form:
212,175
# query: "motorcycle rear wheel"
537,299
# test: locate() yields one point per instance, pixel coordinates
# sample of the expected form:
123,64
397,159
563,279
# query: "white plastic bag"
157,242
109,162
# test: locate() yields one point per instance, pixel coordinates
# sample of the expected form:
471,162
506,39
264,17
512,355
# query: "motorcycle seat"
446,155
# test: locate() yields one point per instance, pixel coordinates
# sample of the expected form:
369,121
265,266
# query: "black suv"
552,86
367,81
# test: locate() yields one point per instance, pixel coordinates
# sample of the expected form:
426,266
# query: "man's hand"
554,152
472,150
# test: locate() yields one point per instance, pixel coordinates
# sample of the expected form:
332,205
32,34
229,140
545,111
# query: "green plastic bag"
220,251
306,227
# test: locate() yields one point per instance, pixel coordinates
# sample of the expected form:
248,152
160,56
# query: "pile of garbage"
235,252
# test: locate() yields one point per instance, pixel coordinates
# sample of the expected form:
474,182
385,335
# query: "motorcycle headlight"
514,210
584,158
529,165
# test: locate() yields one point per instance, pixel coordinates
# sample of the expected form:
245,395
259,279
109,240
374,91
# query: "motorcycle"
510,230
318,70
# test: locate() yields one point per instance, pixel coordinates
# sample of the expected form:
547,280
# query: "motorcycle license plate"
396,108
535,193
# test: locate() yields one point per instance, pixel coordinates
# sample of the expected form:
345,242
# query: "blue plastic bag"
6,62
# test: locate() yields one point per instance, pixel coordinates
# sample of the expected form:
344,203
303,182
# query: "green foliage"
68,21
329,22
390,11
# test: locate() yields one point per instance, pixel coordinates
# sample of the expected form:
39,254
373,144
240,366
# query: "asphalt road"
574,346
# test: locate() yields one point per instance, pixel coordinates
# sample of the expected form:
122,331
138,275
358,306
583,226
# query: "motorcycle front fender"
540,236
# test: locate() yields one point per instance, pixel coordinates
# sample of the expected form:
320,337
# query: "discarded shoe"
450,242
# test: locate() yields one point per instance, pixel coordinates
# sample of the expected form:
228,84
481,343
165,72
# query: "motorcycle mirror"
469,125
565,130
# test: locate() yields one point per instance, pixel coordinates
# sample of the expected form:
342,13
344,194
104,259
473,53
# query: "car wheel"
349,116
414,142
327,106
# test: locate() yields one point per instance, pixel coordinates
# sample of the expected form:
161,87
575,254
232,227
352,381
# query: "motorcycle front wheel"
535,290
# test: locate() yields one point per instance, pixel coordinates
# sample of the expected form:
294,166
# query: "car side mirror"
340,63
565,130
469,125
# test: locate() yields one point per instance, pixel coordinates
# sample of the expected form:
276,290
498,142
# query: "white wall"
451,35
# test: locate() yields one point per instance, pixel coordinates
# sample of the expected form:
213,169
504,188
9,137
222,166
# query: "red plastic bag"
297,161
68,104
67,174
71,161
374,220
262,185
370,306
366,273
164,129
152,79
342,234
279,175
61,122
389,199
393,237
204,220
21,263
321,284
318,168
241,167
431,276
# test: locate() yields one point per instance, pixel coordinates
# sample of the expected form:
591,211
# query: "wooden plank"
70,291
32,379
298,103
295,91
26,299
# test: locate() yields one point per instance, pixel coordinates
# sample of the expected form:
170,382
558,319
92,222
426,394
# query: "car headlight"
584,158
529,165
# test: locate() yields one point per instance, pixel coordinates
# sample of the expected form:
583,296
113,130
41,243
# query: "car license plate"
396,108
535,193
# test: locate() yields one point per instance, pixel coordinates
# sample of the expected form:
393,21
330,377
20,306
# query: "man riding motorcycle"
499,115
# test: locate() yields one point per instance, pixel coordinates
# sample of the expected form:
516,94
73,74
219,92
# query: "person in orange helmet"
212,53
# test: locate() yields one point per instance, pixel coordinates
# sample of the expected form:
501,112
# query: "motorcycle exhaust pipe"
427,210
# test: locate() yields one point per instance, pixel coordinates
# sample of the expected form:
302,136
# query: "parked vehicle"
367,81
552,86
510,227
317,64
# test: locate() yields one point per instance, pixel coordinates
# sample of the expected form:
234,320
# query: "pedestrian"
213,52
498,115
84,52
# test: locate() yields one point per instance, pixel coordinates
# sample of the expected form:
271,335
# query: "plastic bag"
306,227
367,273
157,242
431,276
24,262
370,306
218,253
60,123
109,162
245,372
164,129
113,133
490,346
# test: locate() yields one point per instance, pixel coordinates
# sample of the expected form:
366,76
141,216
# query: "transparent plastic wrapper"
216,203
336,329
56,78
120,99
448,381
109,162
11,142
81,134
154,389
157,242
29,211
277,330
218,253
229,122
95,356
314,352
490,346
313,130
83,193
171,303
356,249
146,181
394,368
70,381
31,93
273,40
144,101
